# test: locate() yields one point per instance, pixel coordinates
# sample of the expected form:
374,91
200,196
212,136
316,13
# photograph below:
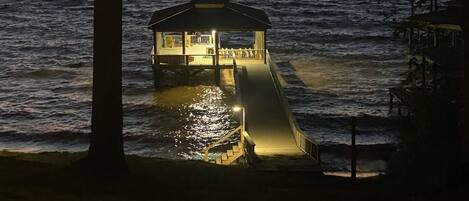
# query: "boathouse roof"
222,15
444,19
455,3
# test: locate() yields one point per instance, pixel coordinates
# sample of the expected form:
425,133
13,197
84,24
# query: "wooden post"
265,46
423,71
187,72
431,5
411,38
183,43
399,109
412,12
243,124
434,76
156,63
154,47
186,69
217,61
391,102
453,39
465,101
412,7
354,151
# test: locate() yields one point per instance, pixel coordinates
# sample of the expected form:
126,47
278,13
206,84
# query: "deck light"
237,108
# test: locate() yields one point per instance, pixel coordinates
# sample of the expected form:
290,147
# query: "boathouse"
186,37
187,41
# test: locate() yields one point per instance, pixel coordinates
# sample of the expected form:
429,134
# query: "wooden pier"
186,40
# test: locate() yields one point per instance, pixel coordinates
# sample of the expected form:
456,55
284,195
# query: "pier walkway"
270,124
265,117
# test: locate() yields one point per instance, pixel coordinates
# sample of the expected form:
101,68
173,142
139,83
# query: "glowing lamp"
237,108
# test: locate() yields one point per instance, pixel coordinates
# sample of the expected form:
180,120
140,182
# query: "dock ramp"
279,142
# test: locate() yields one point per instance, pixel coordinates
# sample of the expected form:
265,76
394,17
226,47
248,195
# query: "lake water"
339,58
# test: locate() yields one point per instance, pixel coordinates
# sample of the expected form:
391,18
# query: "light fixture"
214,31
237,108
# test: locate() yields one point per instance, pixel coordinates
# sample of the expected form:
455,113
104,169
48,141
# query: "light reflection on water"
203,116
173,122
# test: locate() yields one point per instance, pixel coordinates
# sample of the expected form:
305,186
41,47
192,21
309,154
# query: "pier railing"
220,141
303,141
241,53
248,144
210,59
184,59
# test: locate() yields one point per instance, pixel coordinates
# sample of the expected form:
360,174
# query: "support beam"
217,59
183,43
156,62
155,47
424,70
412,7
265,46
186,71
354,151
465,101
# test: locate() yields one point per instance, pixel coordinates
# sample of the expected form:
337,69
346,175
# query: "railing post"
424,71
217,59
354,151
391,101
243,124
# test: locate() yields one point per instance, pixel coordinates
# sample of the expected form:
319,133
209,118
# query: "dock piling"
391,102
354,151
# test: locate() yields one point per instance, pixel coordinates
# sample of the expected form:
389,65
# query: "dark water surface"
339,58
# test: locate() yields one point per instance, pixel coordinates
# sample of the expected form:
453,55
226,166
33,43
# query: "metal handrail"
236,81
304,142
196,55
247,142
224,138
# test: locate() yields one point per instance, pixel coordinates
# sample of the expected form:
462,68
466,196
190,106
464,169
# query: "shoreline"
56,176
53,176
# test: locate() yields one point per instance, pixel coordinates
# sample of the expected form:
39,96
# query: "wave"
364,152
49,74
53,136
78,64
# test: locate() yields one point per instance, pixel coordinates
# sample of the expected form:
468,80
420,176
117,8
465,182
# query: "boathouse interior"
187,38
200,47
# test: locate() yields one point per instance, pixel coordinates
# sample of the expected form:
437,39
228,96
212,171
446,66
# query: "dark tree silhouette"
465,91
106,153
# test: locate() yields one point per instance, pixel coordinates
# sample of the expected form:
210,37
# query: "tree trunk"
465,96
106,154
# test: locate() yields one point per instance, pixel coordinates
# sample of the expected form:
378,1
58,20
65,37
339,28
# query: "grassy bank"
53,176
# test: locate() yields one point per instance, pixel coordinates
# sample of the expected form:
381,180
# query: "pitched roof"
455,3
208,15
447,19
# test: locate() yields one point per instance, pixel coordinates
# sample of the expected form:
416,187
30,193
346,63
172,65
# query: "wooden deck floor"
268,124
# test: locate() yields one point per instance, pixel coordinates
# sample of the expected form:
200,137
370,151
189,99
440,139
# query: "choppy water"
342,50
